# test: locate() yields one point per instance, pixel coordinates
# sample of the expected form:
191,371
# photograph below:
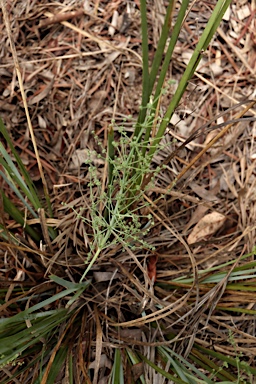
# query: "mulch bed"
81,68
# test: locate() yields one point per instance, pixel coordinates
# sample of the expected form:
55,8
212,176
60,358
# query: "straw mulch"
81,68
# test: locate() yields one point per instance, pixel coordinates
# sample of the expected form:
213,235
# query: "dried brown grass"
71,69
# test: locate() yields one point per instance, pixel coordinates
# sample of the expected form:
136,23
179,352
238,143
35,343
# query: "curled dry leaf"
206,227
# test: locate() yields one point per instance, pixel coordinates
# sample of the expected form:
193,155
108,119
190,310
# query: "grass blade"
27,185
117,370
207,34
145,61
166,63
11,209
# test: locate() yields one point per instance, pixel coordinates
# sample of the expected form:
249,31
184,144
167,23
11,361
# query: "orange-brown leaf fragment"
152,260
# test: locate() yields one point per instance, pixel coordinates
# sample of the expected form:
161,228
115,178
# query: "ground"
83,71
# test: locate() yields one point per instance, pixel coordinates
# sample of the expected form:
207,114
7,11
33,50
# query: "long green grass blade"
158,57
23,315
168,355
13,345
215,370
13,172
18,217
230,360
236,309
24,173
145,60
17,192
207,34
19,181
135,360
149,78
162,371
166,63
117,370
71,370
68,284
57,364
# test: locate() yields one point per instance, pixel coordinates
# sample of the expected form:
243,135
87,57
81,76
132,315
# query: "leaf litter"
72,57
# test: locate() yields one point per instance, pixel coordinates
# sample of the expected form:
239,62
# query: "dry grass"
78,75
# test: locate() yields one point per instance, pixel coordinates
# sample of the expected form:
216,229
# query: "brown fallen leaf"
137,370
206,227
197,215
40,95
203,193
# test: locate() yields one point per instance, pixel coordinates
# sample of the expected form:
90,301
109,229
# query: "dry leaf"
205,194
80,156
41,122
197,215
137,370
134,334
42,95
227,180
97,100
105,276
113,26
243,12
226,16
206,227
180,124
204,67
104,362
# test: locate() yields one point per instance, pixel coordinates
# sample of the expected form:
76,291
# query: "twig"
60,17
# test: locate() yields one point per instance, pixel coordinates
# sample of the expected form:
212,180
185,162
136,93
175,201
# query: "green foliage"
130,158
117,374
121,220
150,77
20,182
17,339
